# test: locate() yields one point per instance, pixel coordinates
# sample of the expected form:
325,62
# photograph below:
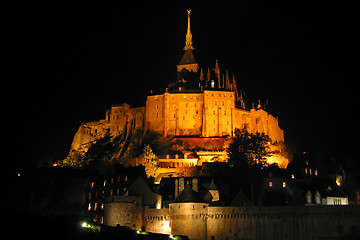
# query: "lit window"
104,183
102,206
270,184
292,176
95,206
89,207
316,172
307,162
305,170
310,171
212,83
284,184
92,184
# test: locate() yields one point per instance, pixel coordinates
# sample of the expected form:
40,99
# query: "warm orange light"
165,227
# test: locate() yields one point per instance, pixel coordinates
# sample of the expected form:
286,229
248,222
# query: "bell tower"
188,60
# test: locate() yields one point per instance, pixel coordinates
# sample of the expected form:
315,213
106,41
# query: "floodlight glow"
83,224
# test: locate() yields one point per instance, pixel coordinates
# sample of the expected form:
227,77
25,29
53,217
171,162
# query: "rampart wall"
307,222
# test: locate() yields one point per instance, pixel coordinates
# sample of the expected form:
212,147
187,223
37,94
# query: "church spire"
188,42
188,60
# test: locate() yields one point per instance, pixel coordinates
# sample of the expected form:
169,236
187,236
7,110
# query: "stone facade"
118,120
206,114
199,221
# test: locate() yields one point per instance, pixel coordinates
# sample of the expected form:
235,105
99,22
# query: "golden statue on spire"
188,42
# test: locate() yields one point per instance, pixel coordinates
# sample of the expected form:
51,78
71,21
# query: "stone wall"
321,222
198,221
157,220
125,214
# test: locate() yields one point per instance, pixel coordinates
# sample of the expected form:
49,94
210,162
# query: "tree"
150,161
74,160
248,149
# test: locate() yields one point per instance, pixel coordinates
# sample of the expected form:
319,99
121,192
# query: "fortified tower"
188,213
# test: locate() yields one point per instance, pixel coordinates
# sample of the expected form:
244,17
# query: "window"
92,184
284,184
270,184
212,84
292,176
89,207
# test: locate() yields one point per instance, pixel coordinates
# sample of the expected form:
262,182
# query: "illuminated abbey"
201,106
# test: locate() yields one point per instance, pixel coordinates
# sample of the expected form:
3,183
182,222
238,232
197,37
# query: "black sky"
67,64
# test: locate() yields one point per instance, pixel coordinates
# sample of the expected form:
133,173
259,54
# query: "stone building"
196,105
198,212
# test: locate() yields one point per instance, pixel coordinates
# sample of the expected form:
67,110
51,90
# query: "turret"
188,214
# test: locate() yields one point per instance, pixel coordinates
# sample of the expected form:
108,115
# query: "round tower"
188,214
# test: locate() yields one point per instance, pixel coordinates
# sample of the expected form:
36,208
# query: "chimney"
195,185
181,184
176,187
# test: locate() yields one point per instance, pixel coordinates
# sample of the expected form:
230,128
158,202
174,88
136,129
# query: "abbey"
199,104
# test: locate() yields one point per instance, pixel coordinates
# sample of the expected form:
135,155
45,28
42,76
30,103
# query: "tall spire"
188,42
188,60
217,72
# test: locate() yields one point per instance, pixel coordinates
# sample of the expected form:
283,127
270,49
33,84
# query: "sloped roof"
188,58
189,195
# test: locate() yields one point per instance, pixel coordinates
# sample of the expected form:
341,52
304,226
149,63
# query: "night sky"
66,64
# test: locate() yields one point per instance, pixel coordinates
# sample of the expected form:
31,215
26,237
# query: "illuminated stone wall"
199,221
124,213
157,220
206,114
119,118
189,219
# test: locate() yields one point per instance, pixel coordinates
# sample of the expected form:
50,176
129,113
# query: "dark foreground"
73,228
